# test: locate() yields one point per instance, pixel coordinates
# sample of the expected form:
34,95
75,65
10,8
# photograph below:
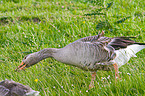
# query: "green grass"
32,25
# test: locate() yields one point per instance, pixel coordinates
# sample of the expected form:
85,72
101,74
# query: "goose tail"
136,47
124,55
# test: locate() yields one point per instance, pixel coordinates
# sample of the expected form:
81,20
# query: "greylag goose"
11,88
90,53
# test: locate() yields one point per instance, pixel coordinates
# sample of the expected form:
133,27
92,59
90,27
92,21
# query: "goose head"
34,58
29,60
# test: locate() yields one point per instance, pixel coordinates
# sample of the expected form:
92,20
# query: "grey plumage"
90,53
3,91
11,88
83,55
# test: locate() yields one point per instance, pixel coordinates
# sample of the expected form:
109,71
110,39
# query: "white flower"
128,73
102,78
86,90
119,72
108,77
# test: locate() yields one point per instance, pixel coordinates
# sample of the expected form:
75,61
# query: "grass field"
31,25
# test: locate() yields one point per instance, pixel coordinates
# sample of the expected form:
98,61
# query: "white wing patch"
123,55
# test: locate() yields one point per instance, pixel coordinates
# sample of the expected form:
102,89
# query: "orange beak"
21,66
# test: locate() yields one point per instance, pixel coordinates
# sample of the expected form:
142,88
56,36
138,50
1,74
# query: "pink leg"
92,80
116,71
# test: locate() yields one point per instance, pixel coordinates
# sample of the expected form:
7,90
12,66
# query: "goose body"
90,53
82,55
94,56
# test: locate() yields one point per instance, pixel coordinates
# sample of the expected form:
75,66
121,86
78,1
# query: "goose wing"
105,47
95,39
3,91
116,42
92,49
123,48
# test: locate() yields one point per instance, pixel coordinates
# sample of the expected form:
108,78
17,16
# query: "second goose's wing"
3,91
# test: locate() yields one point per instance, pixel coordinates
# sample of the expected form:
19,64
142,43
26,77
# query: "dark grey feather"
3,91
11,88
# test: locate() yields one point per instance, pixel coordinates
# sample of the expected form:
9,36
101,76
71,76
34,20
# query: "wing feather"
3,91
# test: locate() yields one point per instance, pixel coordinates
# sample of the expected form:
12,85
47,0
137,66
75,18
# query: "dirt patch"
6,19
31,19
